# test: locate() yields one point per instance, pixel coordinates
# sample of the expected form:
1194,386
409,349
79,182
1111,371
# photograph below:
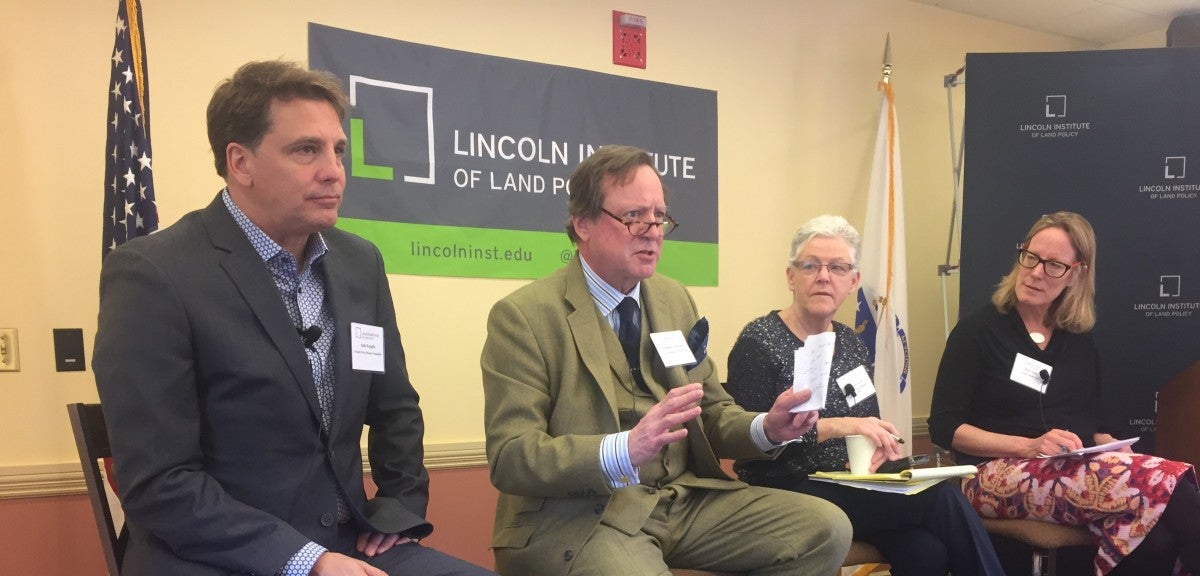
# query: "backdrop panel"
458,162
1115,136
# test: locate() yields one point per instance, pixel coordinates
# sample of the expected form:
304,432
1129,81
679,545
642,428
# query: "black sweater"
973,385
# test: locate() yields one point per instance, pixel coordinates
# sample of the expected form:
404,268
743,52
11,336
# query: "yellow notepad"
914,474
904,482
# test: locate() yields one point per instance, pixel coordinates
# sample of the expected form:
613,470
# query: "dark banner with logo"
1115,136
458,162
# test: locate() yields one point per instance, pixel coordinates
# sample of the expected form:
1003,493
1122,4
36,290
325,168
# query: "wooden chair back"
91,439
1176,426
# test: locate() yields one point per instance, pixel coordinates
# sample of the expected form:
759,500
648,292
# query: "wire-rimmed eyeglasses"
641,227
812,267
1053,268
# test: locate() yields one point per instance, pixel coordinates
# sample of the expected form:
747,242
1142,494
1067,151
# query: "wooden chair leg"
866,569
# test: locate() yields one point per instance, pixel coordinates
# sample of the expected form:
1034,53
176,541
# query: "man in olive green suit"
605,446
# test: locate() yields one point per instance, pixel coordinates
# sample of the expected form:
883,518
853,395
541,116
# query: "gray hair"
827,226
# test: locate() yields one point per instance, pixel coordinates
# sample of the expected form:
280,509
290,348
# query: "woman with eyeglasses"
930,533
1020,380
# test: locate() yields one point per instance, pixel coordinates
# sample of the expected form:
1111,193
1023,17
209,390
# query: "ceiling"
1101,22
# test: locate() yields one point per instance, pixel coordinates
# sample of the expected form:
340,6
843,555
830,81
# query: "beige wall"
797,105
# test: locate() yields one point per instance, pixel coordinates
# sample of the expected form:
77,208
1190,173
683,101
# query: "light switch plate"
10,357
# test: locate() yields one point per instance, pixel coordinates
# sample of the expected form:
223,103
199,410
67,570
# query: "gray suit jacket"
212,412
548,380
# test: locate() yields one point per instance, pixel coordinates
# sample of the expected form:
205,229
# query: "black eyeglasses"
1053,268
640,228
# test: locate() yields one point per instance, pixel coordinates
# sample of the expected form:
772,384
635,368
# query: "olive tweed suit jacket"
550,367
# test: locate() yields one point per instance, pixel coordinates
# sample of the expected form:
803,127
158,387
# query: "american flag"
129,208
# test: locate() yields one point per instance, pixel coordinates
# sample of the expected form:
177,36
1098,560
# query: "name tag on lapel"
366,347
672,348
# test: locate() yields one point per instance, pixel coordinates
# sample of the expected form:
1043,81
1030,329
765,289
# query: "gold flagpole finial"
887,59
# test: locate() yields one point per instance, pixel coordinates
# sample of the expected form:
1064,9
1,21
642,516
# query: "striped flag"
882,316
129,208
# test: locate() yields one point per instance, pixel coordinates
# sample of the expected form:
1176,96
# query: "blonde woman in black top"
1020,378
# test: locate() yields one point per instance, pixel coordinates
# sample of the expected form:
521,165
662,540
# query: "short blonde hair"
1075,309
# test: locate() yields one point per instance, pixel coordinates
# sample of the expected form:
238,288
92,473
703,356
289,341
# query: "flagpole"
885,84
887,60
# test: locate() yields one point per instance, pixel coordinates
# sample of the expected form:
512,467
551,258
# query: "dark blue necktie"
629,332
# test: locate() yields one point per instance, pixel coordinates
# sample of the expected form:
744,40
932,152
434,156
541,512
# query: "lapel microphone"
309,335
1045,376
849,391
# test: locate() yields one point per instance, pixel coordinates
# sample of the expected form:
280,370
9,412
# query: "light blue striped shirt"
618,471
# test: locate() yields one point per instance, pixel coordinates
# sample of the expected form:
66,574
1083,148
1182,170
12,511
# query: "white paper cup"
860,449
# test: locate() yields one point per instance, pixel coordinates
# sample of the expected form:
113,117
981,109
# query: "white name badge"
856,386
672,348
1030,373
366,347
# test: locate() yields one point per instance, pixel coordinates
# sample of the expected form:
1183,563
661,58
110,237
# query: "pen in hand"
898,439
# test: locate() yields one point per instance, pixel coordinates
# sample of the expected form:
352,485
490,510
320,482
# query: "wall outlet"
68,350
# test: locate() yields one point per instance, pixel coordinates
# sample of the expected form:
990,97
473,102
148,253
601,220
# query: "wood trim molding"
450,455
64,479
920,426
41,480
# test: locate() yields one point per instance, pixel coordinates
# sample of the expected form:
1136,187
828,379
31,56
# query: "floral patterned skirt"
1118,495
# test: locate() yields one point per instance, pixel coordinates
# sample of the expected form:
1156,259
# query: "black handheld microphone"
310,335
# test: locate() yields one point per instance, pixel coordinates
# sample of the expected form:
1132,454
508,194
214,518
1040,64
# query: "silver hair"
827,226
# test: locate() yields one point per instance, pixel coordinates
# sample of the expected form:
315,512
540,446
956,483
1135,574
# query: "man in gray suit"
241,351
605,447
